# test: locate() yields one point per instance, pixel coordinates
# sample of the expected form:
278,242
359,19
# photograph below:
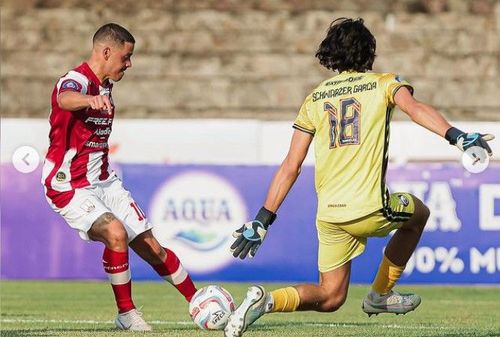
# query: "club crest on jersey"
60,176
403,200
71,85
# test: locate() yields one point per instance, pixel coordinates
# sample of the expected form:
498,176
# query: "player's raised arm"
251,235
428,117
74,101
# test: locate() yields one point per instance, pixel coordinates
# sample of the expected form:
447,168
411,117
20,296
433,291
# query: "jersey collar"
93,77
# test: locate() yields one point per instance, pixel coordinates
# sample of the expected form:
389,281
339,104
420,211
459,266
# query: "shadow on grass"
319,324
28,333
94,331
272,327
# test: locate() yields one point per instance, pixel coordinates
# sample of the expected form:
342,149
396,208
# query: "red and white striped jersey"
78,151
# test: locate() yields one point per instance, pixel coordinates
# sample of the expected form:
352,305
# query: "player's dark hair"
348,45
113,32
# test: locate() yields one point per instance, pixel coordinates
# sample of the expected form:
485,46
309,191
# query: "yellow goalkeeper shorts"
341,242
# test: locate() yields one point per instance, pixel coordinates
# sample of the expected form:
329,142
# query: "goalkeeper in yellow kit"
348,116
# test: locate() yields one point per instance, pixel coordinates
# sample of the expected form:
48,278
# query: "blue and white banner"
195,208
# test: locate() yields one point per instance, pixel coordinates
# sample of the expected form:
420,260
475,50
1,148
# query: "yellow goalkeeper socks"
285,299
387,276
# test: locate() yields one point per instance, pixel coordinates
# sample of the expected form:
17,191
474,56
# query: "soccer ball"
210,307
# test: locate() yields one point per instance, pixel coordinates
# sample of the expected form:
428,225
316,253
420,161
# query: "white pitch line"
331,325
385,326
58,321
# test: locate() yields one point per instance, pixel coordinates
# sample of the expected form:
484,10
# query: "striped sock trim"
172,271
116,267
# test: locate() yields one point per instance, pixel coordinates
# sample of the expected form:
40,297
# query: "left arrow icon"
25,159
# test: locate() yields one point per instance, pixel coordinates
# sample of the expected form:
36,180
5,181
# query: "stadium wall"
199,179
250,59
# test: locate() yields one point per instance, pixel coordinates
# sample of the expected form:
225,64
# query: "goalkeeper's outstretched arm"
428,117
421,113
289,170
250,236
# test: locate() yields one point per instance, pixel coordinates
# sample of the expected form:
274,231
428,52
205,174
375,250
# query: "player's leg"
165,262
141,240
405,239
87,213
382,298
110,231
131,222
336,250
327,296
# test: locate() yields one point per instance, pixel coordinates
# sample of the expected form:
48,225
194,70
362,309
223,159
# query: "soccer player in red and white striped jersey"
82,188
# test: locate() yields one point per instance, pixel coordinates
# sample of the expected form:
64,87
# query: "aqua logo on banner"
194,214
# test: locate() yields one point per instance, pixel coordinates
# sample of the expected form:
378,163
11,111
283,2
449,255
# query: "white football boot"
393,302
132,320
252,307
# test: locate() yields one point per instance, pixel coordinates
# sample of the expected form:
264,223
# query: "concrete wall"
249,59
229,141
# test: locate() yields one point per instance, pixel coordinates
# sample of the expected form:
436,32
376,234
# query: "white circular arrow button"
25,159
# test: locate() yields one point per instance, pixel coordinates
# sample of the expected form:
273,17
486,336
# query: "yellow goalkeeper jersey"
349,116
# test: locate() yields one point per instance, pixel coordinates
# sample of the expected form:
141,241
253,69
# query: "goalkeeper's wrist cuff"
452,135
265,216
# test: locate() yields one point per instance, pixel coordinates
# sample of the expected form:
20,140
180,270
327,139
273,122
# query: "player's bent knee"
117,237
333,303
422,212
420,215
110,231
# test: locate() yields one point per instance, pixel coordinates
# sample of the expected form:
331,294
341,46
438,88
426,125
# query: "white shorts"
109,196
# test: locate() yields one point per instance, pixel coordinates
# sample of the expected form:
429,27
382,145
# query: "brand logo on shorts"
60,176
194,214
404,200
87,206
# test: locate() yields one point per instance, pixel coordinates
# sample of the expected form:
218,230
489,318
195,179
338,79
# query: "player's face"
120,60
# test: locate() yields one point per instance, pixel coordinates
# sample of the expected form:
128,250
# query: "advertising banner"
195,208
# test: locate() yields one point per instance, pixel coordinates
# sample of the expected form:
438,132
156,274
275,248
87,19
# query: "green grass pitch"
70,308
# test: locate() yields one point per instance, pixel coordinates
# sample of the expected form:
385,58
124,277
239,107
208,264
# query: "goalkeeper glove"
465,141
250,236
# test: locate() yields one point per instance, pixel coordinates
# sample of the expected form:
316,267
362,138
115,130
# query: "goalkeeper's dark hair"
348,45
113,32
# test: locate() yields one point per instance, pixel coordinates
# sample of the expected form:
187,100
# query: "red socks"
117,268
172,271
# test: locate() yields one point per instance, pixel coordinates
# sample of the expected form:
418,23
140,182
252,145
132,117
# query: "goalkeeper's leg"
336,250
327,296
382,299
